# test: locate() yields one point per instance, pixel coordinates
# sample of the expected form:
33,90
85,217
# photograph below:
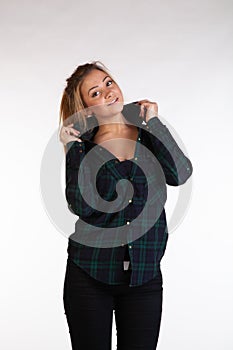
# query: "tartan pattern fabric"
166,164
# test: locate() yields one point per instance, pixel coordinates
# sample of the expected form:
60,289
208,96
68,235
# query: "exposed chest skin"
119,144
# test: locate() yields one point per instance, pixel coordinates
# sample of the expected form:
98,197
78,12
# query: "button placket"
131,176
134,166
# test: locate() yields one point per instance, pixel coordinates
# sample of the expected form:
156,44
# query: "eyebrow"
107,76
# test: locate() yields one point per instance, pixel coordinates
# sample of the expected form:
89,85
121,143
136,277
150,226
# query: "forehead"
94,78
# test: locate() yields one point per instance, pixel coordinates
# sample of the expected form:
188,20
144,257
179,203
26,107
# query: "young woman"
121,233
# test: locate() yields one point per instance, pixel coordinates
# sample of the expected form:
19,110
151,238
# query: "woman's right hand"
67,134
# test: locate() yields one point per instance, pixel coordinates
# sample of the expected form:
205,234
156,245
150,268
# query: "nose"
109,94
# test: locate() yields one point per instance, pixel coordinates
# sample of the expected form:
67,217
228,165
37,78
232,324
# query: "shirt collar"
130,111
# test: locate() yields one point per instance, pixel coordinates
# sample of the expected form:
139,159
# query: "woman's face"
101,94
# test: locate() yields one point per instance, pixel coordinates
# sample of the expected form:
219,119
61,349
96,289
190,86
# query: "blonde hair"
72,103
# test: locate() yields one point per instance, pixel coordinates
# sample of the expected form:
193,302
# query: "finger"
143,105
79,140
150,105
75,131
70,131
143,101
142,111
146,102
75,139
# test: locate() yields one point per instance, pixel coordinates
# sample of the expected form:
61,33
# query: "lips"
114,101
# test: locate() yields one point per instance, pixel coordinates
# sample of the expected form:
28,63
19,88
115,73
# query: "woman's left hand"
150,107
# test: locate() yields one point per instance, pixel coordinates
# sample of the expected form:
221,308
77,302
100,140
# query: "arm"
76,204
176,166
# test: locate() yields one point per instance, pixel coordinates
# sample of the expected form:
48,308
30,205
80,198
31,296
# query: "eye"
110,81
95,94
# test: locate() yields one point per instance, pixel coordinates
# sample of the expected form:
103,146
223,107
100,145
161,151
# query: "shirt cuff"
155,123
70,144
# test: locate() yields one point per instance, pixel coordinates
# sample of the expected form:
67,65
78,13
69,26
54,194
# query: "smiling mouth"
114,101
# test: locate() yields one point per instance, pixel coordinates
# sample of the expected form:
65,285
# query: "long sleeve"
76,204
176,166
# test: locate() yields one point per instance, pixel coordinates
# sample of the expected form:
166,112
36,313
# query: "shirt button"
100,149
131,178
139,139
130,247
130,200
128,222
122,245
136,158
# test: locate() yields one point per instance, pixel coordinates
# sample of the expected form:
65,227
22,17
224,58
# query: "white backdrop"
177,53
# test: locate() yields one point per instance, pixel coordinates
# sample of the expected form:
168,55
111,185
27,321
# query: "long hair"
72,103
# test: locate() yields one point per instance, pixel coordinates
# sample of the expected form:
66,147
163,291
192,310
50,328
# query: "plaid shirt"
143,241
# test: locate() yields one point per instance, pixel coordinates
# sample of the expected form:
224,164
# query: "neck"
113,124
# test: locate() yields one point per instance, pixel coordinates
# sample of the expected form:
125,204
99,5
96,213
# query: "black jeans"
89,306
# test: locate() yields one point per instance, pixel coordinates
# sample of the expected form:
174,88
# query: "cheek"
99,108
119,91
95,101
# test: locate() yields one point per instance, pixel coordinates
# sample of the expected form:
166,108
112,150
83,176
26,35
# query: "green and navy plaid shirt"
157,161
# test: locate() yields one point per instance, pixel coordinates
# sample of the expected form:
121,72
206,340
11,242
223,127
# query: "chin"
106,111
117,106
